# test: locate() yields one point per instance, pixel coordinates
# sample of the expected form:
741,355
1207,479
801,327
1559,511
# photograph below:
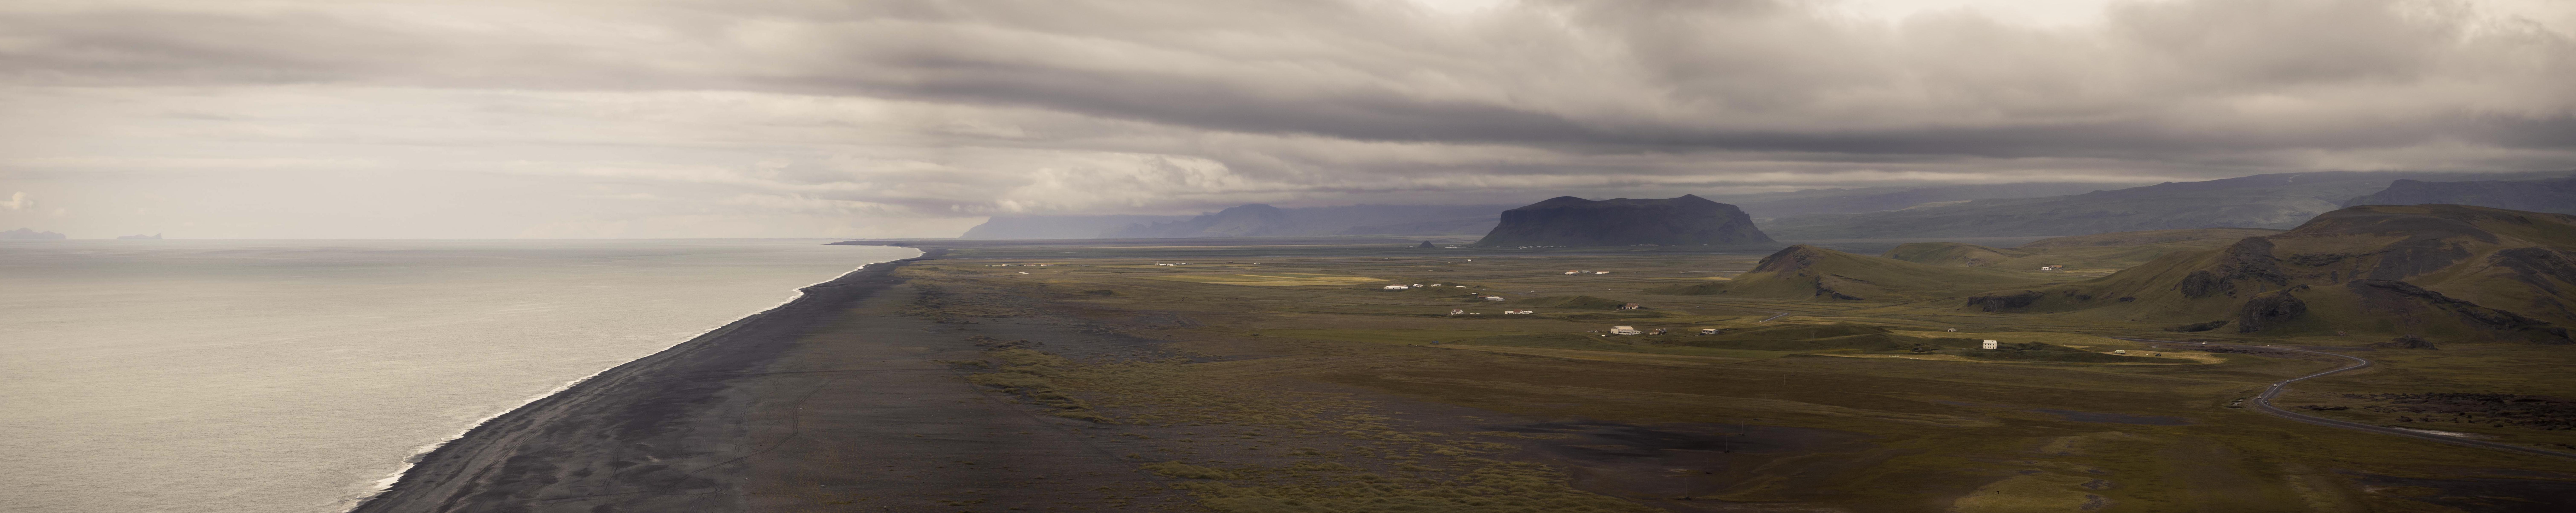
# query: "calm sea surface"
296,376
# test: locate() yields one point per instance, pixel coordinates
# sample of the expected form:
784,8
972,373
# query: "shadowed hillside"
2118,250
1813,273
2443,271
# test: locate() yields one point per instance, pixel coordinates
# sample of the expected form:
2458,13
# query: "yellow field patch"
1268,280
1602,356
1399,337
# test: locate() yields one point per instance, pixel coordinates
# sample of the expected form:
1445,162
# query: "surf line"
351,503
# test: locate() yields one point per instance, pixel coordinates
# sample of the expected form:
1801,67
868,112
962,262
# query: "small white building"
1600,272
1396,287
1708,331
1518,312
1455,311
1493,298
1572,272
2119,351
1625,330
1631,306
1990,344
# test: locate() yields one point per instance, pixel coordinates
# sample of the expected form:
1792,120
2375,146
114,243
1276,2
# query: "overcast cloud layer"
895,118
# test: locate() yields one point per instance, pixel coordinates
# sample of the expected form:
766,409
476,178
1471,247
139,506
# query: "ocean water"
297,376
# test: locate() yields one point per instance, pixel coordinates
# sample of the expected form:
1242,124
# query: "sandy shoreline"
648,434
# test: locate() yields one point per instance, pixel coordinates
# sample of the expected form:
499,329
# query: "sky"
762,118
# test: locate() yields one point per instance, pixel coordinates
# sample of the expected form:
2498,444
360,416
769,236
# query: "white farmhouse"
1625,330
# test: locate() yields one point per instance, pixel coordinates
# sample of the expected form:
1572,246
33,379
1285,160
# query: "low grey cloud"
912,118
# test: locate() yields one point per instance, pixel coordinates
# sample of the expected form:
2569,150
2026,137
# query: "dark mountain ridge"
1772,205
1259,220
1057,226
2277,201
2557,196
30,234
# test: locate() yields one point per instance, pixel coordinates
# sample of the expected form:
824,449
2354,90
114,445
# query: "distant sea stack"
1570,221
29,234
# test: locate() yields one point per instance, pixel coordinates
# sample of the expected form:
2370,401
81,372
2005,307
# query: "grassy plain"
1355,409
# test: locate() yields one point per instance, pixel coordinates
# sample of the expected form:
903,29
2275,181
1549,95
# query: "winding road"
2263,403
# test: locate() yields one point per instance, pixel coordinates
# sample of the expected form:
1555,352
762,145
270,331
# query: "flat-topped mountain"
1570,221
2556,196
2446,272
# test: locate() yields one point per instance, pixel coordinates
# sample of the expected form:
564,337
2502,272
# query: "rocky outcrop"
2006,302
2408,342
1570,221
2267,309
2200,326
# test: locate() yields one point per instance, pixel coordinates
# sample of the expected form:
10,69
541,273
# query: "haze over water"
294,376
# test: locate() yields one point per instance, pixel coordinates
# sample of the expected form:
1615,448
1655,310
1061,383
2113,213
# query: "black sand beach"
832,399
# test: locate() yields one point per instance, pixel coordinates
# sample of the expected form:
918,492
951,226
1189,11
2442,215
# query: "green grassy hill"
2117,250
1812,273
2444,271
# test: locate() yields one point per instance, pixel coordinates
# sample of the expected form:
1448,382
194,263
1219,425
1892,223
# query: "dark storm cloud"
1160,106
1745,74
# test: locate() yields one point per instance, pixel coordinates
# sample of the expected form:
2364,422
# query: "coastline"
460,470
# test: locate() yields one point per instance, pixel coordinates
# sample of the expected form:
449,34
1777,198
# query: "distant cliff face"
2556,196
1571,221
1058,226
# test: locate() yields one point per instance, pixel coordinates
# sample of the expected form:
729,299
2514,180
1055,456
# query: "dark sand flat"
833,402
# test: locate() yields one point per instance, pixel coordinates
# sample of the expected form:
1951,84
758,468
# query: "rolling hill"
2260,201
1811,273
2447,272
2117,250
2557,196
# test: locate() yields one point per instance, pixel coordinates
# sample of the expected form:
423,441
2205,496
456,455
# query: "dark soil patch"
2496,495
